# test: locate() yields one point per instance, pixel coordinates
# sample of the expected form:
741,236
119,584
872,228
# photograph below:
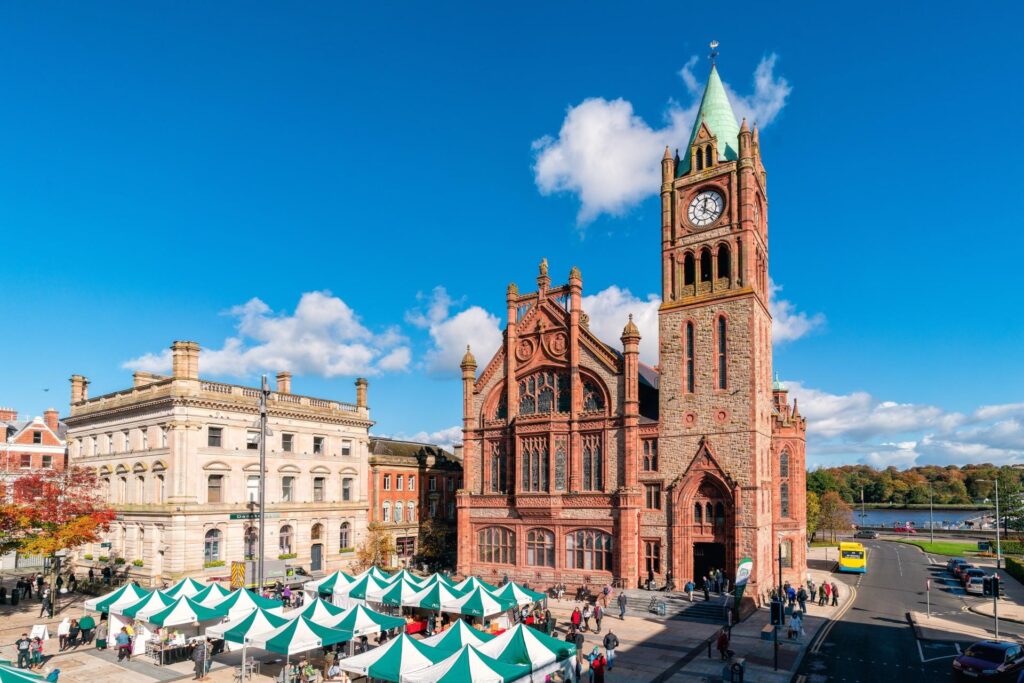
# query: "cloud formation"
610,158
446,438
609,310
323,336
450,334
789,324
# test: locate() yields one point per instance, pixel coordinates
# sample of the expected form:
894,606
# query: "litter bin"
734,670
15,596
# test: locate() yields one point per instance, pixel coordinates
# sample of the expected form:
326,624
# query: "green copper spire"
716,112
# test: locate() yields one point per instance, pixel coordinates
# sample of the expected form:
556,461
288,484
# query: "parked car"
904,529
957,565
951,561
993,660
866,533
972,573
958,571
975,585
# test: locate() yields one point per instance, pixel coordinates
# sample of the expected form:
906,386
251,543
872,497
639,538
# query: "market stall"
543,654
459,635
396,657
128,594
468,664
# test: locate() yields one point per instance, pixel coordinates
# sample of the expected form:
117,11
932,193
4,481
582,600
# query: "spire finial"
714,51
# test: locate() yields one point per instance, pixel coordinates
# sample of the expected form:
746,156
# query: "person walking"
199,656
44,606
598,664
587,613
62,633
801,598
598,616
623,600
24,647
580,655
723,644
689,591
87,624
611,641
835,594
707,589
576,618
821,595
828,592
92,575
123,643
101,636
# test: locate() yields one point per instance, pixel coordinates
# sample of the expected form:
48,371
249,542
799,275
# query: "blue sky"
187,171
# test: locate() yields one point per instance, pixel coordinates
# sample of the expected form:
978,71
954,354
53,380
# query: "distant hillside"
950,485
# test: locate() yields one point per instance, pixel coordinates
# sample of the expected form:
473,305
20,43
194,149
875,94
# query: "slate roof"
716,112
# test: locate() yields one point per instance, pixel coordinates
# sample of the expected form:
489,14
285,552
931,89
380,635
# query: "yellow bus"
853,558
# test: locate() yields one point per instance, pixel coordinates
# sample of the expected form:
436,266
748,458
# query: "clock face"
705,208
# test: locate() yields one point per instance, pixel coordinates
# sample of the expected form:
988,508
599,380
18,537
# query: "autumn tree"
376,549
434,547
813,513
835,514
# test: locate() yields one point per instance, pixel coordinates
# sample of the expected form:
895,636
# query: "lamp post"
264,395
931,513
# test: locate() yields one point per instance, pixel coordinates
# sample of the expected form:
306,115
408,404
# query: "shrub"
87,556
213,563
287,556
1010,547
119,560
1014,568
137,563
350,549
103,558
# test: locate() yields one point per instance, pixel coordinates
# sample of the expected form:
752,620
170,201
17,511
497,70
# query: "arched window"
544,392
705,265
650,455
784,500
592,397
784,464
719,515
707,156
284,540
345,537
501,410
540,548
698,517
211,546
410,515
560,465
497,545
700,159
593,464
709,513
724,261
385,515
588,549
723,343
140,489
158,493
688,269
252,542
316,532
691,379
399,512
534,454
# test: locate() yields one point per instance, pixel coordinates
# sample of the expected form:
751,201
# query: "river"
945,519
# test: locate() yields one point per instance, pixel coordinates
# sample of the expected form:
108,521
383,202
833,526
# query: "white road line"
899,562
920,651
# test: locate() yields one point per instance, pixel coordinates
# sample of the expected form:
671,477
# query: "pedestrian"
790,595
723,644
72,582
37,653
650,579
101,636
39,583
598,616
199,657
44,606
73,633
24,647
821,594
725,583
549,621
123,643
801,597
623,600
611,641
92,575
576,618
828,592
578,641
598,663
87,624
707,588
62,633
605,593
689,591
60,582
835,594
587,613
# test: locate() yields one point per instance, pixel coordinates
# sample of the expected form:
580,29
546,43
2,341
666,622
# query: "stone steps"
677,606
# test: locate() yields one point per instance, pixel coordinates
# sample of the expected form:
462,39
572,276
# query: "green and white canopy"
363,621
468,664
187,586
405,575
185,610
433,597
438,578
524,645
521,594
359,588
472,583
327,583
396,593
126,595
479,603
297,635
388,662
10,674
320,611
256,622
243,601
213,594
459,635
374,571
150,604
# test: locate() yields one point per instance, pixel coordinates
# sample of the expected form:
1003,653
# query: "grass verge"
951,548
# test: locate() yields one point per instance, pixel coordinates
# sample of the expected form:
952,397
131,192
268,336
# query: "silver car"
975,585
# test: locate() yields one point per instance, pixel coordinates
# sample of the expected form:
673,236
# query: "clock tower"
715,396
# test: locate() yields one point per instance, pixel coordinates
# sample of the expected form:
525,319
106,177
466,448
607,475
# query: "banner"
742,576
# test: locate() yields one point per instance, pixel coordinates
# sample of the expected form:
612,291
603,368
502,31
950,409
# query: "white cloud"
858,427
450,334
324,336
609,310
788,324
445,438
610,158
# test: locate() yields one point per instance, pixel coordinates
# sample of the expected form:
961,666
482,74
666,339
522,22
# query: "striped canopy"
243,601
360,587
478,603
521,594
433,597
438,578
10,674
126,595
405,575
187,586
185,610
468,664
320,611
364,621
524,645
388,662
151,604
473,583
457,636
213,594
327,583
297,635
395,593
374,571
236,630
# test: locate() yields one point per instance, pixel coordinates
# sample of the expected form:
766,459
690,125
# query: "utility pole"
999,553
931,513
264,395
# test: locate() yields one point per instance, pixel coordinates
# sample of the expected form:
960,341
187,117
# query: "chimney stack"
79,389
361,385
8,414
51,417
284,382
185,360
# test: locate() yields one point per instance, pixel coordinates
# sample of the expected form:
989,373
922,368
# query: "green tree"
434,547
835,514
813,513
376,549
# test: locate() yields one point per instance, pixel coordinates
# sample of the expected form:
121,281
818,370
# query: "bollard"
709,648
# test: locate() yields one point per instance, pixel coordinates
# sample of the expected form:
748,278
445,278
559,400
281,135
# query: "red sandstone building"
582,465
27,446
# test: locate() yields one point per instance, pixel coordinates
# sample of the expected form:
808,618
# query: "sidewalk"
1011,606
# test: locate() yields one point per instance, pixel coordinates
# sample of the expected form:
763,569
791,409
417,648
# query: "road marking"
899,562
823,633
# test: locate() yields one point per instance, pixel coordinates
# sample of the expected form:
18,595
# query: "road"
874,642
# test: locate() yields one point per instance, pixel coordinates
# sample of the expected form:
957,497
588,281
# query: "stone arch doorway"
703,531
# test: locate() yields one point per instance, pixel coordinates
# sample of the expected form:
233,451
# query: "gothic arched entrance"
703,530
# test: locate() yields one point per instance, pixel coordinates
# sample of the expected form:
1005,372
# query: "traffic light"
778,610
995,585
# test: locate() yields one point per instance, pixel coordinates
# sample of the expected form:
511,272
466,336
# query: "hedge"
214,563
287,556
1014,568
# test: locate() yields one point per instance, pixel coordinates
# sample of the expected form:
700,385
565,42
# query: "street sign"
105,545
252,515
928,584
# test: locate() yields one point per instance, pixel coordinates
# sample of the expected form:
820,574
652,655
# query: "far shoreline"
922,506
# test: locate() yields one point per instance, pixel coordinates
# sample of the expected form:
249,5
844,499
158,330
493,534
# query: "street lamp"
999,553
931,512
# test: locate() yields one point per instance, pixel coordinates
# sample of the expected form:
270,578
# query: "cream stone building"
178,458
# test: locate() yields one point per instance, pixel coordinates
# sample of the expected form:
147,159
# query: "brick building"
30,445
583,465
409,482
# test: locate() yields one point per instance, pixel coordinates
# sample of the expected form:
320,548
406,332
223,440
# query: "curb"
991,616
815,641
